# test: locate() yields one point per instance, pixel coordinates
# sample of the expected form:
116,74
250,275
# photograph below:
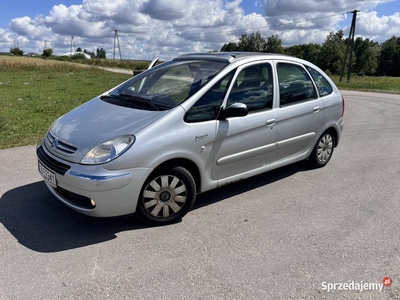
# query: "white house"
76,52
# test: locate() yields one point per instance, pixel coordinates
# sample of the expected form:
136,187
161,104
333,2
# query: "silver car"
188,126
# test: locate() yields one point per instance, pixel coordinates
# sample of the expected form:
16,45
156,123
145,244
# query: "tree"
47,52
366,56
389,57
16,51
305,51
79,49
369,58
252,43
230,47
100,53
331,56
274,44
89,53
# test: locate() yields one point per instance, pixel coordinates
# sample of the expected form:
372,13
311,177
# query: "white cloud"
372,26
115,12
295,8
73,20
150,27
163,10
29,28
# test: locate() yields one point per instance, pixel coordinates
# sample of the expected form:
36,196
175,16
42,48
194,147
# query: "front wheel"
166,196
323,150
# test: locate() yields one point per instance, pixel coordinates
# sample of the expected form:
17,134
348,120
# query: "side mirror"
235,110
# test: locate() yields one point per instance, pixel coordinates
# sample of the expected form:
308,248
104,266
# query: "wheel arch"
334,132
185,163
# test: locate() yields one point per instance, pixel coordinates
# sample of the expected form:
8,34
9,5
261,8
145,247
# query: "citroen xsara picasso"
188,126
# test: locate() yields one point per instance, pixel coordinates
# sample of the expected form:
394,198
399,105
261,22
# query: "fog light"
92,202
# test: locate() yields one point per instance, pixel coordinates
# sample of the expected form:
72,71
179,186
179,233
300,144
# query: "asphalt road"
281,235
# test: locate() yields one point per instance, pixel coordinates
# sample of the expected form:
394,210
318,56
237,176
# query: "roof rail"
213,56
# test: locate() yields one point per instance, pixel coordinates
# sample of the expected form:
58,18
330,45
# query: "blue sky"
152,27
388,8
19,8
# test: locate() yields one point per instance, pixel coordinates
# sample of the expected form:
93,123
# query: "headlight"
108,151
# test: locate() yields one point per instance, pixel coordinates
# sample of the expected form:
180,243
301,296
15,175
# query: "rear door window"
295,85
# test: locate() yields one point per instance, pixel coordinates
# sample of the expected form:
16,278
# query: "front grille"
59,145
51,163
76,199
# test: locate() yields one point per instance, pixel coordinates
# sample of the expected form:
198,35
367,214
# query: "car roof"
227,56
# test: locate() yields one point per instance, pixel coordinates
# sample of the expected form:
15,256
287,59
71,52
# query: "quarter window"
295,85
324,88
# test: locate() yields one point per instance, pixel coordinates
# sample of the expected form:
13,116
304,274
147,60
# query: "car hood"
93,123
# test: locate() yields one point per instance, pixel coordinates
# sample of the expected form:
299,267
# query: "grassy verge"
34,93
123,64
374,84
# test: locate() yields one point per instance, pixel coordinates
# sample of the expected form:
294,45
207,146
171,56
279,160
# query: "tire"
166,196
323,150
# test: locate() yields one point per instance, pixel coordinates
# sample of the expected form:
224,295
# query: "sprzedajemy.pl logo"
360,286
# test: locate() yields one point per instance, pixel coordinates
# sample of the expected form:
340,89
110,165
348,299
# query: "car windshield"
166,85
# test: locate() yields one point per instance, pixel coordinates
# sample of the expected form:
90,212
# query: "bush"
17,51
47,52
78,56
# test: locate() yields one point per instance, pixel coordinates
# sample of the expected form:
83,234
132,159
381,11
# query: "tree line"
369,58
100,53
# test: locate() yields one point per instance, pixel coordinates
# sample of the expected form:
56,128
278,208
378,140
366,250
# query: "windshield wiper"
101,97
139,99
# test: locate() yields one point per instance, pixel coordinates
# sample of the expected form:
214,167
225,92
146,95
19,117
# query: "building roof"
77,52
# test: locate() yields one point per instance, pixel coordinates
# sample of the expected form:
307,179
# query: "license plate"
48,175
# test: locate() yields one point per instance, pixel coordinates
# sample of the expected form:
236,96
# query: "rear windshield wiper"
139,99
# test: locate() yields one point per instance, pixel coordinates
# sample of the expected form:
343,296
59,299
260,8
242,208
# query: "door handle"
316,109
270,122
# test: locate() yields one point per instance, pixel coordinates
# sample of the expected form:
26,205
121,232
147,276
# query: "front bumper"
114,193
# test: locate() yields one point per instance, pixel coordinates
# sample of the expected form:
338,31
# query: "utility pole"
45,45
72,46
116,40
350,46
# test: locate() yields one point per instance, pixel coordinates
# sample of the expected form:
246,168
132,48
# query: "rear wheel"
323,150
167,196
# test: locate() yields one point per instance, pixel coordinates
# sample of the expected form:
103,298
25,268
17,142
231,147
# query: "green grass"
123,64
369,83
33,96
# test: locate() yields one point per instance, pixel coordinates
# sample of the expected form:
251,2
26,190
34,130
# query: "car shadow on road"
43,224
40,222
249,184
